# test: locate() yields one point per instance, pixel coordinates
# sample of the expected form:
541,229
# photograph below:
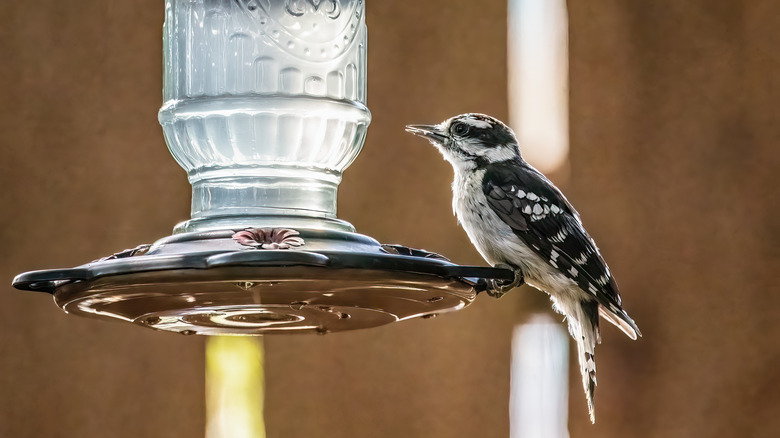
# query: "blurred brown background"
673,162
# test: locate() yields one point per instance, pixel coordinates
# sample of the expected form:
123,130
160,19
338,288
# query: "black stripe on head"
488,130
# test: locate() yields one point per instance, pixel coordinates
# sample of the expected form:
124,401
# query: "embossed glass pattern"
264,107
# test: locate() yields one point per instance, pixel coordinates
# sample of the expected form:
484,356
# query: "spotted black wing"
542,217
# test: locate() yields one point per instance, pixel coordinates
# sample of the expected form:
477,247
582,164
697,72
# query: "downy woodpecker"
518,219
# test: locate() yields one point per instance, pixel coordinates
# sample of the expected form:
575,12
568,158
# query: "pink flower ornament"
269,238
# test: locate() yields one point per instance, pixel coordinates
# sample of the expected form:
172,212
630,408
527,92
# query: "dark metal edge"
49,280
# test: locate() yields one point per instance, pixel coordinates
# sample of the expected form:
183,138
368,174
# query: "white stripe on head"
491,154
477,123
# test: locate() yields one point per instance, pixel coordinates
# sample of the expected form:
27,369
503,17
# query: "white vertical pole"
538,80
538,403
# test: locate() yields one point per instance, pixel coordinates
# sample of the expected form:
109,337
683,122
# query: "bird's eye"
460,129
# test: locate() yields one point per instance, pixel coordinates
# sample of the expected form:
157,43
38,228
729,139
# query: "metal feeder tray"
263,281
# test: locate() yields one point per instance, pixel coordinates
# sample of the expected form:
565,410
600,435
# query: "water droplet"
435,299
152,320
275,33
298,305
315,26
344,315
430,315
290,45
322,331
325,308
188,332
306,52
245,285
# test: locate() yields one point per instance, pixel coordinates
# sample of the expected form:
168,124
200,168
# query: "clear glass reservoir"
264,107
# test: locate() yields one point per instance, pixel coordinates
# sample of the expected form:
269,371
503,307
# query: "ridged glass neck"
264,106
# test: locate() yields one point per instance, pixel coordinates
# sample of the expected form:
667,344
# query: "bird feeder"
264,106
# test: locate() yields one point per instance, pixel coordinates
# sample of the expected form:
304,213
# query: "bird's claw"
498,288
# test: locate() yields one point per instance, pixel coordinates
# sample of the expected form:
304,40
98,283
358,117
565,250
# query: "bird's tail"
584,327
583,320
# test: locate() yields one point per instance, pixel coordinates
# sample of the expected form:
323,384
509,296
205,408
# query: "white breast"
496,241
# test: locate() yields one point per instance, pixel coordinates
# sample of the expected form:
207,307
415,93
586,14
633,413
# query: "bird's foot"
498,288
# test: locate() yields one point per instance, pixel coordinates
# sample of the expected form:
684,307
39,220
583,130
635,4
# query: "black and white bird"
518,219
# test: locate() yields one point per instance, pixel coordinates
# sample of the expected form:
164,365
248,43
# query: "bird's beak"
431,132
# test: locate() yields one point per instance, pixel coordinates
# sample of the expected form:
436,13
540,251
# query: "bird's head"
469,141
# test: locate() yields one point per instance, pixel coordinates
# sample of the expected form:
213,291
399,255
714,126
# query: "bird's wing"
541,216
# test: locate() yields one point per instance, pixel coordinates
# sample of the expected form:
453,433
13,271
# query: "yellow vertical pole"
234,387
